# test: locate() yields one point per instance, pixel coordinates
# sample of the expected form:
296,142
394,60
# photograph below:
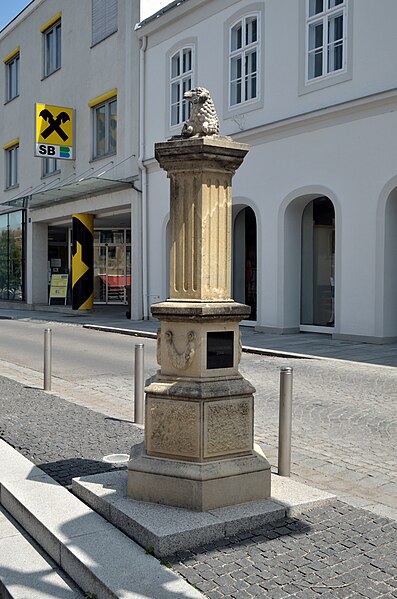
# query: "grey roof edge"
160,13
26,8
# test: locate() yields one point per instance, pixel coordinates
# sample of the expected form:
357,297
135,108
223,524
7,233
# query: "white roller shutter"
104,19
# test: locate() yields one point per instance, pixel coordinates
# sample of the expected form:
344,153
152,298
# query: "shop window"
318,263
11,255
245,260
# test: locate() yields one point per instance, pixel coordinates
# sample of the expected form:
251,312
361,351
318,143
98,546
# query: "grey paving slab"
167,529
95,554
24,571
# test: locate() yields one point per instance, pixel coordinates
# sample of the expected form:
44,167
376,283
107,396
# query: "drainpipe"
143,171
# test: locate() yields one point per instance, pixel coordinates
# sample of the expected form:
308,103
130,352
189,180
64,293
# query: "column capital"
200,153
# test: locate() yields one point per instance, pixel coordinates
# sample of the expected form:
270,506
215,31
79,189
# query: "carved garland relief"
184,359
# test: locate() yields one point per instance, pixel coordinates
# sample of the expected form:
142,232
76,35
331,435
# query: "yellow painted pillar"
83,262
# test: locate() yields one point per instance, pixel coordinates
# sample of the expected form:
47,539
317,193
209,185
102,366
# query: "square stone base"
198,486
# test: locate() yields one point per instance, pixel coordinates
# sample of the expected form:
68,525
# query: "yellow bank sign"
54,132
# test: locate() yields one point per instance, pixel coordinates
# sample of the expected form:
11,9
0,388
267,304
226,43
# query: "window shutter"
104,19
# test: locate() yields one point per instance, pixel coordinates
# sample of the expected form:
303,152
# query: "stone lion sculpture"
203,119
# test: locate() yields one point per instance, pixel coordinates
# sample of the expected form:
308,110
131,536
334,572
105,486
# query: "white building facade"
310,85
83,56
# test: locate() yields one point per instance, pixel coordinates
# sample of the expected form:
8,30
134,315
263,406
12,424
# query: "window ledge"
103,39
57,172
11,187
102,157
243,108
11,99
52,72
325,81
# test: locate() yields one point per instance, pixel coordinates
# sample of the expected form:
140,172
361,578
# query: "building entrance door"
112,267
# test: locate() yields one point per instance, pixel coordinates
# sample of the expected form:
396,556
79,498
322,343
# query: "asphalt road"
344,416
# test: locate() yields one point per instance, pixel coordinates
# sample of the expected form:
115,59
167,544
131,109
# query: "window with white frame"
104,19
326,37
244,60
52,48
181,81
50,166
12,77
105,128
12,166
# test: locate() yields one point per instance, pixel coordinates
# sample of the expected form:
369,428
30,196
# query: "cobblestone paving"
344,437
64,439
337,552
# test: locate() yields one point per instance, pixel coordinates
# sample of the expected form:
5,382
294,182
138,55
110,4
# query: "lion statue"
203,119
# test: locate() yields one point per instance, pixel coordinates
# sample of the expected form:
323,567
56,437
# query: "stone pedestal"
198,451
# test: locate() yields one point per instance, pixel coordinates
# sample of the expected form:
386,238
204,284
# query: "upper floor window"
11,151
52,46
12,76
50,166
104,125
104,19
244,60
181,78
326,37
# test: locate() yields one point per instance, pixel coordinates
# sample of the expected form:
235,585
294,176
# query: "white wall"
86,72
337,141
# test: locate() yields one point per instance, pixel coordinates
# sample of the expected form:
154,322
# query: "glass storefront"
12,255
245,260
318,263
112,266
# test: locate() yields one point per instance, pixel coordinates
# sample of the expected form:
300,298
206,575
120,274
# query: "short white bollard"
47,359
285,421
139,384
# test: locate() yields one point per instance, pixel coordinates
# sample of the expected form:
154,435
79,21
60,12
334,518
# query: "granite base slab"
166,529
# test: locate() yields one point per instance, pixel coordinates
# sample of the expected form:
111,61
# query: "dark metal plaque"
220,350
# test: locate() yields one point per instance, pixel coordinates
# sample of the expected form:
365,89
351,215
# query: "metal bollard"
139,384
47,359
285,421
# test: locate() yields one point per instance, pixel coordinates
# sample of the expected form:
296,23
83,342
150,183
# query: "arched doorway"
245,260
318,264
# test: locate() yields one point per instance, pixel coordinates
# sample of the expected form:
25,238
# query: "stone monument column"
198,451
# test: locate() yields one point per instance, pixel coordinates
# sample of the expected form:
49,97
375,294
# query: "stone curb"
96,555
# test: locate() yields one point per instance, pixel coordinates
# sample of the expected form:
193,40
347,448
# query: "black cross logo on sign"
54,124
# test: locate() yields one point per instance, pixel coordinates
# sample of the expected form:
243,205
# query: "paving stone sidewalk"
337,551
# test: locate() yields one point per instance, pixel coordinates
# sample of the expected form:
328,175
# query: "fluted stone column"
199,444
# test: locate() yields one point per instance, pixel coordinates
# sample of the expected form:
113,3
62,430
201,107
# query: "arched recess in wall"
310,275
245,258
390,266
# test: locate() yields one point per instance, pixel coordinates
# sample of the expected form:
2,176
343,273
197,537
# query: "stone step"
96,555
25,571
